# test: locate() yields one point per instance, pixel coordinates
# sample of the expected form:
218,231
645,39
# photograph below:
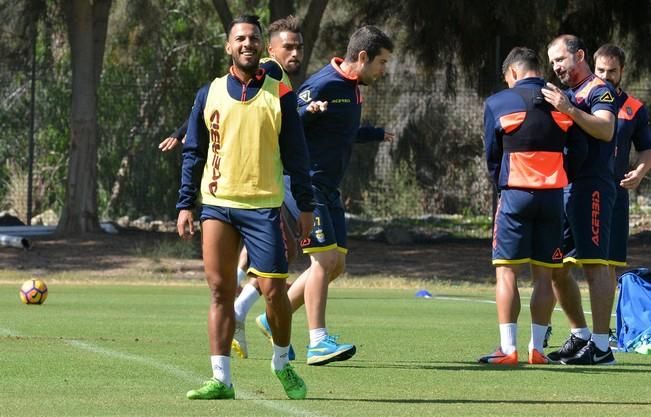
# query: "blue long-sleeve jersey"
330,135
291,140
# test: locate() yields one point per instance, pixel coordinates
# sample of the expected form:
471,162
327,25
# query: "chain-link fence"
433,173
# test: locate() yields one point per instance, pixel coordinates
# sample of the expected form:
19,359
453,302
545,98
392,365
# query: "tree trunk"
87,22
280,8
224,12
310,28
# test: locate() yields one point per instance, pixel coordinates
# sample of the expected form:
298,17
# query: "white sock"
245,301
601,341
280,357
221,368
508,337
581,333
537,337
241,276
317,335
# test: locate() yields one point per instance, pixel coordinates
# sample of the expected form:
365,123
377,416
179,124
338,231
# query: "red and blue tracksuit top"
525,138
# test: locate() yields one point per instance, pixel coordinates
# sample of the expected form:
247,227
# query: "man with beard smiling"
632,128
589,201
285,58
242,131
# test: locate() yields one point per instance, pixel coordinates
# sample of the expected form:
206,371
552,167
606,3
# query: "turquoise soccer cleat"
263,325
328,350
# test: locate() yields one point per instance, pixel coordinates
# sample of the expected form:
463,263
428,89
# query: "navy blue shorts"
619,229
262,236
329,230
528,228
588,213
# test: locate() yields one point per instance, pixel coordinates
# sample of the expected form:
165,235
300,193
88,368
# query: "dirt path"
137,253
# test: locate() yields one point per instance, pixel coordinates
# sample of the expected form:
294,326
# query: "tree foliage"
159,52
471,37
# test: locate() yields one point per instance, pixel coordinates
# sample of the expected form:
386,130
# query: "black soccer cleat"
591,355
548,334
570,348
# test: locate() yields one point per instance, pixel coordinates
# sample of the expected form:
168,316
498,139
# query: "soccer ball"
33,291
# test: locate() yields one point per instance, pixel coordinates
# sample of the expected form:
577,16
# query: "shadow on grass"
470,401
475,367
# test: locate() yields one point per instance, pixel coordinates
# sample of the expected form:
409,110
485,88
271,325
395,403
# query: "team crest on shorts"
558,255
320,236
629,110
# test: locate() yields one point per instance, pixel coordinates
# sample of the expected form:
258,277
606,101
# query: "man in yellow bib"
243,131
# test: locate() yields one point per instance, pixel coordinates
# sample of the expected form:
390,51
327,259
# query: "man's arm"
295,158
174,139
195,150
632,179
600,124
373,134
642,142
309,103
272,68
492,145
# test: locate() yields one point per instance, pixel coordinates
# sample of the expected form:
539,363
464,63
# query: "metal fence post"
30,164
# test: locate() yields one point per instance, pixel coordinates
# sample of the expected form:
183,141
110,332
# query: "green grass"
127,350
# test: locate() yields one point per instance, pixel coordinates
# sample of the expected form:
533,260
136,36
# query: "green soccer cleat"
212,390
293,384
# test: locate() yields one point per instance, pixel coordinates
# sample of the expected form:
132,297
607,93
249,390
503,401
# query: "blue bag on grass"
634,311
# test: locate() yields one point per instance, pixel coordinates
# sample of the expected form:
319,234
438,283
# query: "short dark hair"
611,51
286,24
572,42
245,18
369,39
523,56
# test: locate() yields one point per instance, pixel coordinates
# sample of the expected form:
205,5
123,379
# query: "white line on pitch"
7,332
473,300
188,376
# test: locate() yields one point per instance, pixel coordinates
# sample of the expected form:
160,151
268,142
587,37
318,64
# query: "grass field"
134,350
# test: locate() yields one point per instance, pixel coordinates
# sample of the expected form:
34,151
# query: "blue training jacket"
330,135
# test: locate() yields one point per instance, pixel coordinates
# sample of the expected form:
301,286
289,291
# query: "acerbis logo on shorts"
558,255
306,242
596,210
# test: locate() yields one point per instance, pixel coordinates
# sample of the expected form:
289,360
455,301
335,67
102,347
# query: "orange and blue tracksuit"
590,198
525,138
240,138
632,129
